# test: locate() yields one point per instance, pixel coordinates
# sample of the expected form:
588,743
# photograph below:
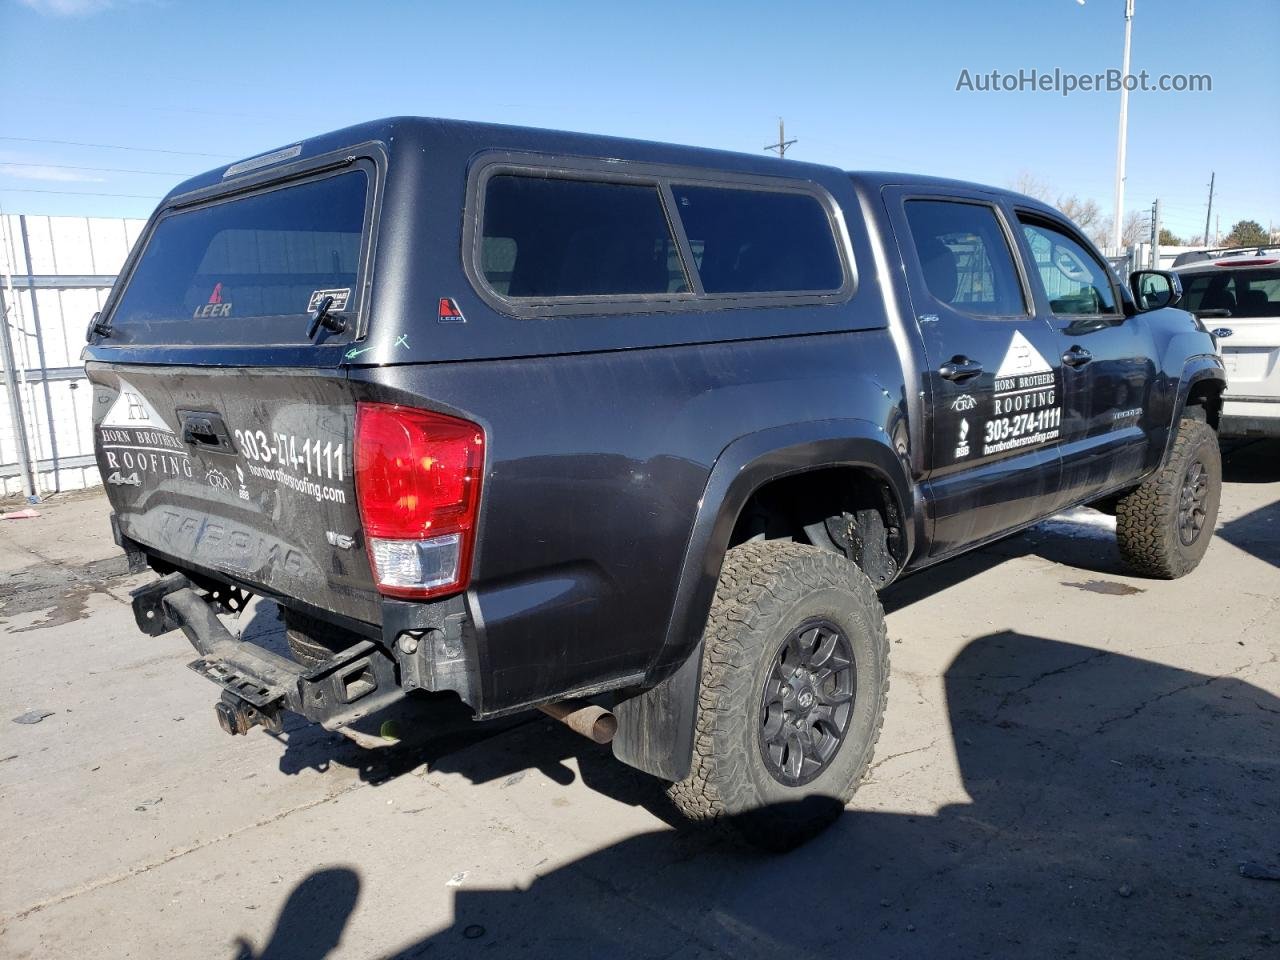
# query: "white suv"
1236,295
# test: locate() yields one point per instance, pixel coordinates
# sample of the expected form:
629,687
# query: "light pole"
1123,139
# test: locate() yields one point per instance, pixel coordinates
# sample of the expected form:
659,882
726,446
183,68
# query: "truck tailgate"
247,473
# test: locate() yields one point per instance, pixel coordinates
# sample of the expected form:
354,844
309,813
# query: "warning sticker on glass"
340,297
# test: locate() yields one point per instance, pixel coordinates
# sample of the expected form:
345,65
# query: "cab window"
965,257
1075,282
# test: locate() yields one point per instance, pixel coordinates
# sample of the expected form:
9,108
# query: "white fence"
55,272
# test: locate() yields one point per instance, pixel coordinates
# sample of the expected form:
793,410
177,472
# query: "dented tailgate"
248,475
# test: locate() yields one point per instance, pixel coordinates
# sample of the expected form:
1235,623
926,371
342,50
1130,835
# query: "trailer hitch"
258,685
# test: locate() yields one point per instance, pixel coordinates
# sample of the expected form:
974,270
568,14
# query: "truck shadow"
1083,539
1111,801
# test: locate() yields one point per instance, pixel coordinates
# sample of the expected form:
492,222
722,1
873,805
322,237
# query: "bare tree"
1134,229
1086,214
1028,183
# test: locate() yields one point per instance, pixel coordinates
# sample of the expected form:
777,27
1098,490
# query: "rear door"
223,429
994,378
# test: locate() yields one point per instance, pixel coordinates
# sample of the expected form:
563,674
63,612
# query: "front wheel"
1164,525
795,676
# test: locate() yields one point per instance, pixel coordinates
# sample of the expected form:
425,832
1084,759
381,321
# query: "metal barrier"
55,272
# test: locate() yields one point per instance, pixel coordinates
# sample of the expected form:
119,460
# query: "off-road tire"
311,641
767,589
1148,518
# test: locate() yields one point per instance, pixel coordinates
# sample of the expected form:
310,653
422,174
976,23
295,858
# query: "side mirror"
1154,289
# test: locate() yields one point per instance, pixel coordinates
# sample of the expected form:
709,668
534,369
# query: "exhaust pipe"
594,723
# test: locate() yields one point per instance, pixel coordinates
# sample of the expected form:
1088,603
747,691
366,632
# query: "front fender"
655,728
1196,370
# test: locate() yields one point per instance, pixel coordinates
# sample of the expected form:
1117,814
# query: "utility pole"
1209,212
1155,235
783,142
1123,140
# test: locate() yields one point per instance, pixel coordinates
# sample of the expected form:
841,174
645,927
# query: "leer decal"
215,307
449,312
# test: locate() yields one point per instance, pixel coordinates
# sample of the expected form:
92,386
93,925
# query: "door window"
1075,282
965,257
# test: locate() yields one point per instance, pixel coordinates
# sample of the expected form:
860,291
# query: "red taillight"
418,486
1247,262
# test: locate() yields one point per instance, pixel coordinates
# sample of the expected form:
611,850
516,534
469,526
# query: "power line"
79,193
65,166
116,146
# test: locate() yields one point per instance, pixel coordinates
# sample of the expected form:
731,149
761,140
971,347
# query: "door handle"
205,430
1077,357
959,368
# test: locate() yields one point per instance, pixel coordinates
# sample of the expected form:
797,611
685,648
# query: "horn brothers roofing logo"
1026,399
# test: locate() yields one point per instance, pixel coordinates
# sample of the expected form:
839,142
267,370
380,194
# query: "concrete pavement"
1076,762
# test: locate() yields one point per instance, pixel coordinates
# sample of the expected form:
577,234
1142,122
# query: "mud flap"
655,728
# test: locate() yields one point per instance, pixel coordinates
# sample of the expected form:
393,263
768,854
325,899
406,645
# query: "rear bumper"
1250,417
426,648
258,686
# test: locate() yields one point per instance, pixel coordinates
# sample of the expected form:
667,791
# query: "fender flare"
656,726
1197,369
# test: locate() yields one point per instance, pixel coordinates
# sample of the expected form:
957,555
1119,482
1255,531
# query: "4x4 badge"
449,312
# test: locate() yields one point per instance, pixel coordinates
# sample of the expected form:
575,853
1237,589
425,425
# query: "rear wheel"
795,676
1164,525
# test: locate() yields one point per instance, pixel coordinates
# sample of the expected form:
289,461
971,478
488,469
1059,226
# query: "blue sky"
861,84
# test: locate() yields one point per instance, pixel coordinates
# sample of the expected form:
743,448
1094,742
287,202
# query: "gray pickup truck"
629,432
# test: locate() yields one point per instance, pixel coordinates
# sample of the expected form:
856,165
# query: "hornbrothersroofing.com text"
1065,83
